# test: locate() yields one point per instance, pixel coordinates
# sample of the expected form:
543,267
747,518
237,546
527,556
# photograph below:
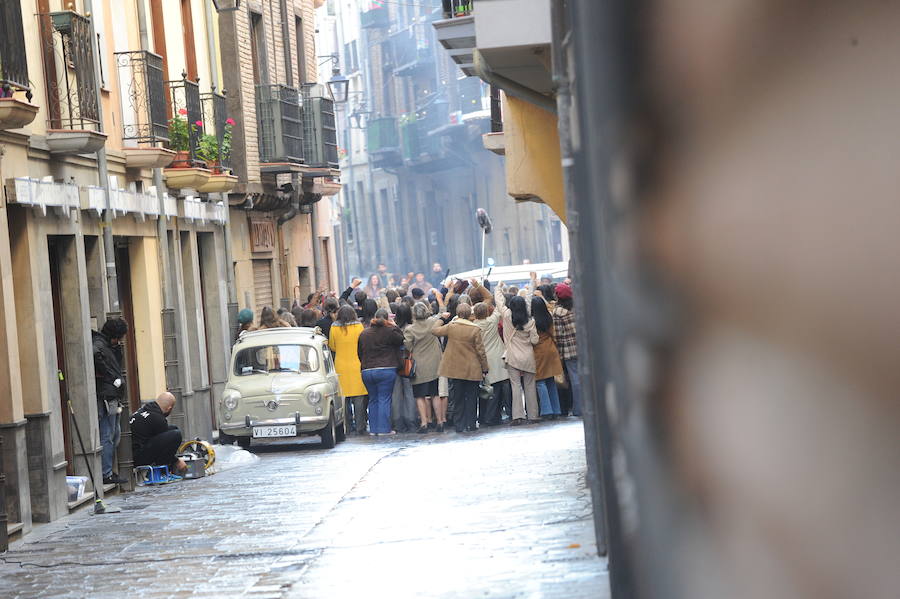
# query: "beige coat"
464,358
425,348
519,344
493,347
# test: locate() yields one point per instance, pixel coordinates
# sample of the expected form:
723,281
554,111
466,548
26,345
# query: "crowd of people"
423,353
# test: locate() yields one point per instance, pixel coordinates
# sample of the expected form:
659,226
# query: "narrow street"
499,513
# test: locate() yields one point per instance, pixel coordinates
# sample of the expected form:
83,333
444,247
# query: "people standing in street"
403,406
269,320
373,287
546,358
330,308
369,308
465,364
426,350
107,350
566,343
498,376
436,276
379,356
520,336
245,322
421,283
343,341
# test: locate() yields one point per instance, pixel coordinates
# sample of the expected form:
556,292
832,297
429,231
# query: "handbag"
485,391
407,368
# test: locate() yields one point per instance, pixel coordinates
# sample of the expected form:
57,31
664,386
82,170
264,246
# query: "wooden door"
56,293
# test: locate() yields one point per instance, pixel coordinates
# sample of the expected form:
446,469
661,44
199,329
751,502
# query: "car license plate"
285,430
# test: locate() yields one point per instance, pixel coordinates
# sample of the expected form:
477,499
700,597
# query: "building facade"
136,184
414,167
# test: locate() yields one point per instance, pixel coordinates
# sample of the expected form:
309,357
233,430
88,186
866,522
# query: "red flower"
199,123
182,111
229,121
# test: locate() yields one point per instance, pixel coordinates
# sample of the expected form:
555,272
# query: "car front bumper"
305,424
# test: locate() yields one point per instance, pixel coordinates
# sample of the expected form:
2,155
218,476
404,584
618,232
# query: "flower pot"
219,183
182,159
186,178
62,20
15,114
148,157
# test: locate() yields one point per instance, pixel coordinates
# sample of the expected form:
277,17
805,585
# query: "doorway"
126,305
54,250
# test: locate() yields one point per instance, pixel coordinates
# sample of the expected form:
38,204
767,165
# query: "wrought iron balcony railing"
143,97
319,130
382,135
13,61
375,18
280,124
457,8
69,71
186,111
215,121
418,142
412,49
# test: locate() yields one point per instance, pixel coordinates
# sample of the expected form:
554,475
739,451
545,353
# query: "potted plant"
208,151
180,138
216,153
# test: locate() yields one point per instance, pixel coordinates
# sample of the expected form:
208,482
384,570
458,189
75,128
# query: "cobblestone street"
500,513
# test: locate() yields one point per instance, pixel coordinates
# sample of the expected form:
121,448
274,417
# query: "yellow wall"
533,162
146,297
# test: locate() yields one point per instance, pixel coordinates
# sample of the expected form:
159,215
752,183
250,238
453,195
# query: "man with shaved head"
153,440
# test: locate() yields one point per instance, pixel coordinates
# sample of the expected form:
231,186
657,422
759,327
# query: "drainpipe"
109,251
511,87
317,251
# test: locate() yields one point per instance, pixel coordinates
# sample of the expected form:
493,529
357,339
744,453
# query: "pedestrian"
421,283
403,404
354,285
379,356
245,322
343,340
519,337
436,275
566,343
308,318
269,320
373,288
465,364
498,376
154,442
369,308
107,350
287,317
331,307
426,350
546,359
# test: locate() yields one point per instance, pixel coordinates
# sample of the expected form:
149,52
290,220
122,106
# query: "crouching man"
153,440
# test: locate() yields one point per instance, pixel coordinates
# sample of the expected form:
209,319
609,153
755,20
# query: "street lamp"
226,5
338,85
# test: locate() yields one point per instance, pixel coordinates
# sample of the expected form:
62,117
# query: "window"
258,49
267,359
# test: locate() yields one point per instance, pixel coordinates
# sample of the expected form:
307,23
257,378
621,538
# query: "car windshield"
264,359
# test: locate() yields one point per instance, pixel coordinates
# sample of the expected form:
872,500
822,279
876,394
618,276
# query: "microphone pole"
484,221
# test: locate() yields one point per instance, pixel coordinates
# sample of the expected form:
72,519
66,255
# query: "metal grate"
319,130
279,123
143,97
13,61
185,95
496,110
215,116
69,71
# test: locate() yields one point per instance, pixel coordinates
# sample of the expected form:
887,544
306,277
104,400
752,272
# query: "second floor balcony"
456,32
383,142
412,50
16,109
145,125
73,126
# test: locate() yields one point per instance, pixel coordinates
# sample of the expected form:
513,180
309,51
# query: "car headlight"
314,397
230,401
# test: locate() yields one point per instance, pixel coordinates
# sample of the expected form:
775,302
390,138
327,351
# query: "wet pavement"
498,513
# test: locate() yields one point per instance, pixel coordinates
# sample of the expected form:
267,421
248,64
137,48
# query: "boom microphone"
484,221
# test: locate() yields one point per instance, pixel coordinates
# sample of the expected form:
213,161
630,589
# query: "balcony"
215,143
319,130
375,18
471,95
280,126
520,51
412,50
73,126
14,112
144,122
188,171
422,145
383,142
456,33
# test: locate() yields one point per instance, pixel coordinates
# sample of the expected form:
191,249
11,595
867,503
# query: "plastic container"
75,486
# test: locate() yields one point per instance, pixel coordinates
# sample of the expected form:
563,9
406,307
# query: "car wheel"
243,442
343,427
329,433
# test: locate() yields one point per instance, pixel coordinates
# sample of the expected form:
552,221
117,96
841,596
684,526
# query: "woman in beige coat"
465,364
520,336
498,376
426,350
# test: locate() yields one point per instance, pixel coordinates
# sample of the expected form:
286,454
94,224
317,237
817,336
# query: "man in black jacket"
110,391
153,440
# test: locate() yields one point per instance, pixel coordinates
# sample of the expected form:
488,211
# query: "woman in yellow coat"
343,340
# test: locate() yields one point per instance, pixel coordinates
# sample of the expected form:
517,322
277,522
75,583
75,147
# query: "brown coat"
546,356
464,358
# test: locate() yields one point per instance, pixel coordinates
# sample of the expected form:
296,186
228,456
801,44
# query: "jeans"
574,385
403,407
380,384
549,395
464,395
109,436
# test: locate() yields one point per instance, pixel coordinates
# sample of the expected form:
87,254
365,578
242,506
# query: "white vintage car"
282,383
